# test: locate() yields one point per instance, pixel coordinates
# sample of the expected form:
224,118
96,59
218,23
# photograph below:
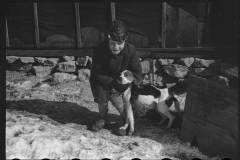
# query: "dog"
150,96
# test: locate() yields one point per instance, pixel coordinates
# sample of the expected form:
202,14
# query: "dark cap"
117,27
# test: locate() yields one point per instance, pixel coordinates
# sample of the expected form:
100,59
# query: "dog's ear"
137,79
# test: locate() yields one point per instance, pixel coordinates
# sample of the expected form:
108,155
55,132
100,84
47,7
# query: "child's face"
115,46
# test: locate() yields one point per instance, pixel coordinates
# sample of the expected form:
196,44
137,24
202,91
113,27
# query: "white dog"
151,97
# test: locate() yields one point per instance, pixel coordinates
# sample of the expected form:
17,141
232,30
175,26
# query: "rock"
27,59
42,71
26,85
165,78
89,64
51,62
11,59
165,61
185,61
40,60
67,66
45,85
83,74
204,72
206,63
160,79
60,77
145,66
19,66
68,58
183,81
82,61
220,79
176,70
157,66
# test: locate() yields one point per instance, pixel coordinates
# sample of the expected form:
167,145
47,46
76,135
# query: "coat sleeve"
135,67
99,72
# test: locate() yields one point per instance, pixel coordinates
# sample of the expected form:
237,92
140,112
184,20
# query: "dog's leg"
171,118
164,118
128,108
163,109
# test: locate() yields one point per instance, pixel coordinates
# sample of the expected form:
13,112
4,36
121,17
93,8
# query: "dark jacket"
106,66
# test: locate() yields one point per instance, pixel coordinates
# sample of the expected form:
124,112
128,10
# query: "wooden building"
157,29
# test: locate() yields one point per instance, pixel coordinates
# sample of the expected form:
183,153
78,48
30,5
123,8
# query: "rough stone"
67,66
89,64
26,59
83,74
160,79
165,61
183,81
68,58
42,71
204,72
60,77
82,61
220,79
157,66
165,78
176,70
11,59
206,63
185,61
19,66
145,66
51,62
40,60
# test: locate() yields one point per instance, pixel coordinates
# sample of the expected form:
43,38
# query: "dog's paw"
120,132
123,127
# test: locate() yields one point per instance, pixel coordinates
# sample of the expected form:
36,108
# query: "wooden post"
164,14
7,36
36,25
208,24
113,11
177,26
78,25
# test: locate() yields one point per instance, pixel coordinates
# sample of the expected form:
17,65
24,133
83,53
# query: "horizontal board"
214,103
210,140
142,52
210,119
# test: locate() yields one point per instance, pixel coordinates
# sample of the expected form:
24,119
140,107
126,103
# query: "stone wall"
169,71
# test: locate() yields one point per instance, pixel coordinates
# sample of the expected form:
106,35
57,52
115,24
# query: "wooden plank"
135,39
145,41
143,53
212,101
172,25
163,31
208,25
86,37
209,139
113,11
201,24
50,53
36,25
79,44
95,37
188,26
211,116
7,36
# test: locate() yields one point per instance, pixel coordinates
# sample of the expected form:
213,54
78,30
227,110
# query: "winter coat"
106,66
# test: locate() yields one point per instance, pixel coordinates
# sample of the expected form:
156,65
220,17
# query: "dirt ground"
51,121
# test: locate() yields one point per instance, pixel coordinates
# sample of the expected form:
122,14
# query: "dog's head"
127,77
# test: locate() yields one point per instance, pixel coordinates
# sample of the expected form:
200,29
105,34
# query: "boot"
98,124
